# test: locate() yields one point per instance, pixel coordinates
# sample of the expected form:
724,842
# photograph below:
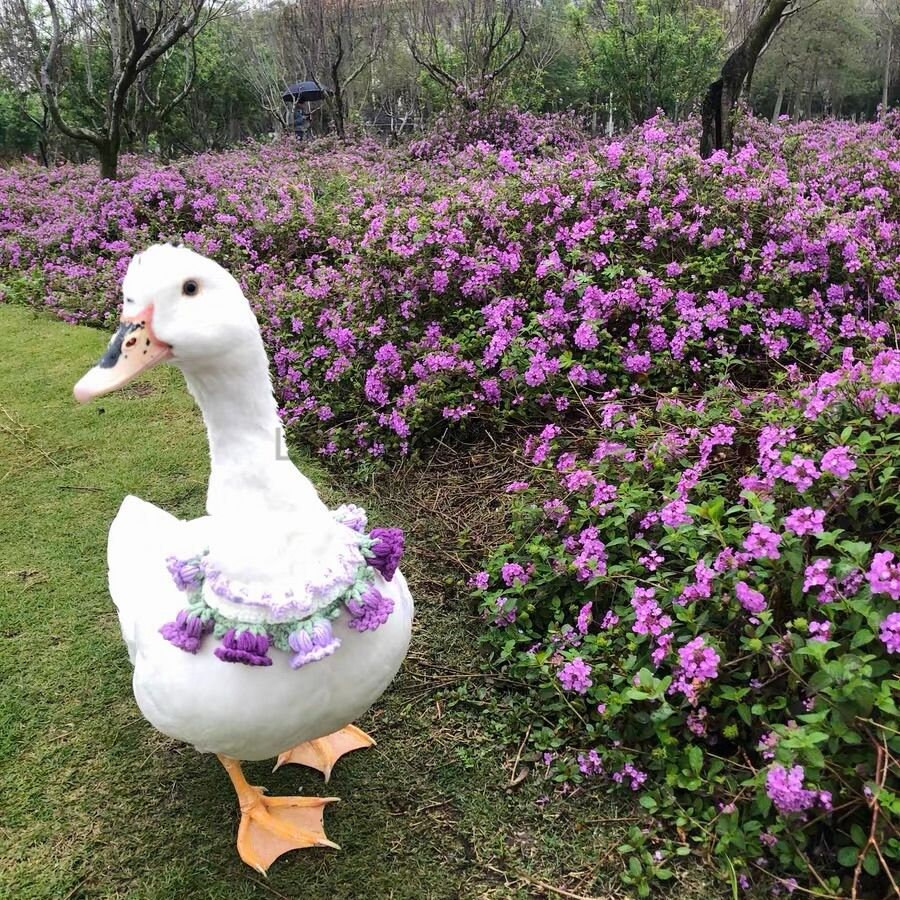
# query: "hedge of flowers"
409,292
701,587
701,595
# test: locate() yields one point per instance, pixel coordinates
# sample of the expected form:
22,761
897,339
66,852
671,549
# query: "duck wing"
140,538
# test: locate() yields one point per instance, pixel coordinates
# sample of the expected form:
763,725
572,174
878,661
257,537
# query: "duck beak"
133,349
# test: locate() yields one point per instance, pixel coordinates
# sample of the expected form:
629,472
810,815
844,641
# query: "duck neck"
249,466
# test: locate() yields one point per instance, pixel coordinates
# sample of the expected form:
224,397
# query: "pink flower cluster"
785,789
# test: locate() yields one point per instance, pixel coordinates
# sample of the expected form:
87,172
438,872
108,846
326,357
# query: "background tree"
118,42
650,54
335,42
466,46
723,94
820,62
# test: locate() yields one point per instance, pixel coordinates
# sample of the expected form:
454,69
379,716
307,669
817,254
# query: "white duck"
266,627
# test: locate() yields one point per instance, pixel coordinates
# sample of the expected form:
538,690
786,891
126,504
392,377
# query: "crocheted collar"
247,626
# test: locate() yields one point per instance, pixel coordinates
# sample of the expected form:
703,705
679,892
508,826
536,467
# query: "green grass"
94,803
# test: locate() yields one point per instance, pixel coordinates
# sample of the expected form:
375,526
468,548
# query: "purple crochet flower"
186,631
352,516
186,573
386,550
312,645
244,647
370,611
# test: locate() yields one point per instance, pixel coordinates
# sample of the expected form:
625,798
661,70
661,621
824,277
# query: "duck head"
177,307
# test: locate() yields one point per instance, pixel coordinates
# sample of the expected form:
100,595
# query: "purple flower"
513,573
785,789
635,776
648,615
310,645
800,472
610,620
762,542
584,618
816,574
752,601
698,665
186,573
674,514
386,550
820,631
575,676
502,618
186,631
696,722
516,486
590,763
767,744
479,581
806,520
838,462
652,561
890,632
699,661
884,575
244,647
369,611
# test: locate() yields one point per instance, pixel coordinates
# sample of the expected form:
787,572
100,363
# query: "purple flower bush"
480,280
703,577
730,633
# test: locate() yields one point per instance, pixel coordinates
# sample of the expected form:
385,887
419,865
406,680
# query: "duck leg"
271,826
322,753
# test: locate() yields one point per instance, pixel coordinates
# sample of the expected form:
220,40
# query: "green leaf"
871,864
847,856
695,759
862,637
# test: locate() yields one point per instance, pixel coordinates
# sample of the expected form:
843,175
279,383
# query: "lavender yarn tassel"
370,611
244,647
313,645
186,631
386,550
186,573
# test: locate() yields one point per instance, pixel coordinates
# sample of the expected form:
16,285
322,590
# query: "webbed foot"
322,753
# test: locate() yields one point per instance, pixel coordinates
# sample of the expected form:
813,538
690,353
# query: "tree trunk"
779,102
885,87
109,161
722,95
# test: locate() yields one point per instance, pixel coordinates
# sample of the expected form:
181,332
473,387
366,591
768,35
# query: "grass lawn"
94,803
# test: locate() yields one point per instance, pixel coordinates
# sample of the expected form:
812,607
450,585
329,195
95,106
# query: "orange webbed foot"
322,753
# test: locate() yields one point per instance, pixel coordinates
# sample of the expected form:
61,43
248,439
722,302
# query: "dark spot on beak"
114,350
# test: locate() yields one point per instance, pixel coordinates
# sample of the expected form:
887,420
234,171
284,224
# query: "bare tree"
336,41
16,68
269,65
134,34
466,46
722,95
889,14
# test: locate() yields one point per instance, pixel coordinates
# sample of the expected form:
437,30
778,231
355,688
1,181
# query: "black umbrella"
303,92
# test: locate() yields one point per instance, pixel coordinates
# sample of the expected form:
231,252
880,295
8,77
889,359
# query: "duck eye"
189,288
